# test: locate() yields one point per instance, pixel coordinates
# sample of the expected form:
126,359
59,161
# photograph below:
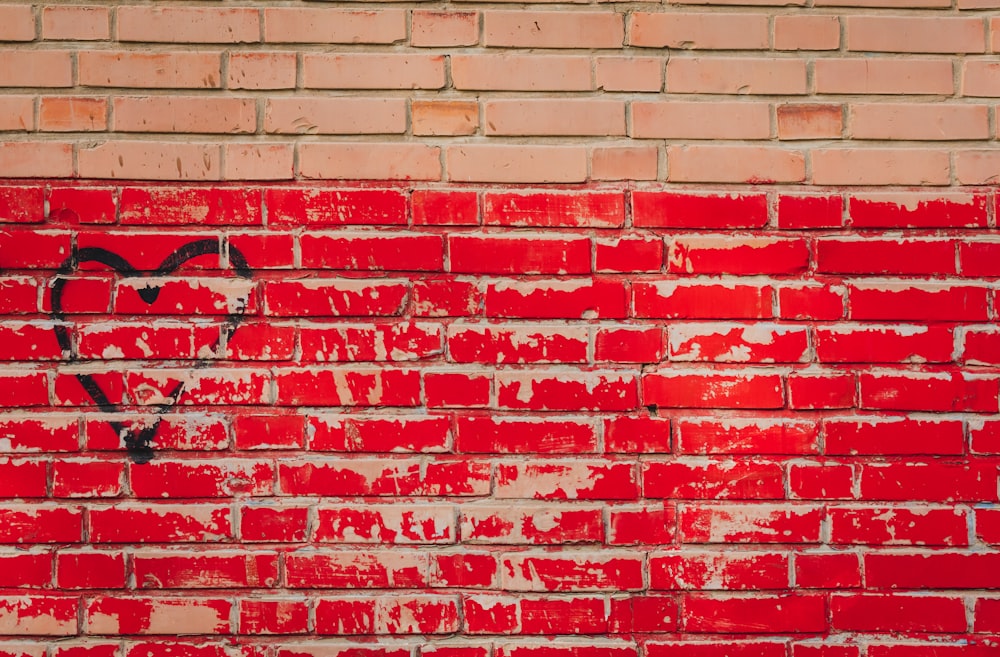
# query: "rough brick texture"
481,329
863,92
440,420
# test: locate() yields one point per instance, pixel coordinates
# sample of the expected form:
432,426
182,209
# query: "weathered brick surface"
481,329
713,422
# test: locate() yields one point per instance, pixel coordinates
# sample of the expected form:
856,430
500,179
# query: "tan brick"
335,116
31,159
518,117
871,75
325,25
375,161
700,120
35,68
435,28
699,31
731,75
168,70
17,113
516,164
149,160
977,167
880,166
629,73
261,70
188,24
734,164
444,117
521,72
76,23
915,34
17,23
901,4
72,114
196,114
373,71
257,161
916,121
806,32
624,162
981,78
553,29
809,121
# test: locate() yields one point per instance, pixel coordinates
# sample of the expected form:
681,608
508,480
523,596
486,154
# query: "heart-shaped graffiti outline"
137,442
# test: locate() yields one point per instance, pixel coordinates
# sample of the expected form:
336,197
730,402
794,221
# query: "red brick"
746,436
852,436
549,210
827,570
674,210
893,525
938,570
556,299
701,570
523,254
691,389
898,343
87,569
917,210
482,434
931,481
907,613
760,614
712,479
683,300
750,523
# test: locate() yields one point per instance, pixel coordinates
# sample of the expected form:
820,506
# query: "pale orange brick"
188,24
31,159
35,68
901,4
261,70
168,70
624,162
977,167
876,75
935,34
553,29
556,116
734,164
72,114
17,113
995,34
435,28
700,120
76,23
444,117
759,3
370,161
335,116
323,25
699,31
731,75
521,72
979,4
257,161
918,121
806,32
516,164
880,166
197,114
629,73
149,160
981,78
373,71
17,23
809,121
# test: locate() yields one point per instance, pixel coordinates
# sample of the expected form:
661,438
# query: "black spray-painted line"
138,442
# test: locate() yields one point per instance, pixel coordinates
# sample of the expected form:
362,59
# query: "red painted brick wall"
484,330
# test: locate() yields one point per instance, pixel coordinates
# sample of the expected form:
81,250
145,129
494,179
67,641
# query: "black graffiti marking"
137,442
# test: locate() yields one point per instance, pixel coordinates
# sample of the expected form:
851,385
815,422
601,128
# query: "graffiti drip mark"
138,441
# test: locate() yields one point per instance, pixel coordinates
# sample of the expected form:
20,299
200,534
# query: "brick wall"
481,330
